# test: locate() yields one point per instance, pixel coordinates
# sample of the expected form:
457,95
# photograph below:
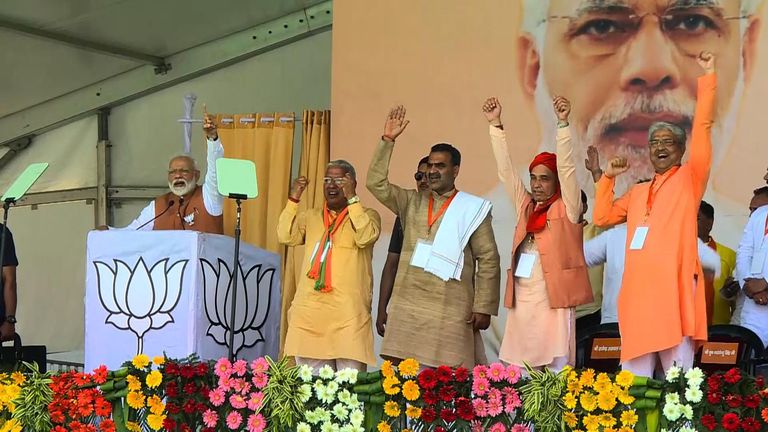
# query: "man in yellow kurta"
718,308
329,320
436,320
662,303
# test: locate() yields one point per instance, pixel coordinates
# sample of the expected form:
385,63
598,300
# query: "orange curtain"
315,155
269,144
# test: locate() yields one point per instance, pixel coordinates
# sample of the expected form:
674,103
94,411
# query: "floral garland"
496,399
78,405
330,403
735,402
682,397
402,392
600,402
239,397
187,383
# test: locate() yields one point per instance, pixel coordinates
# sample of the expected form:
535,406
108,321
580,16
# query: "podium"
168,292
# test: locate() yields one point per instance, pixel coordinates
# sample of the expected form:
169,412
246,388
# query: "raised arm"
607,211
393,197
506,171
214,202
701,133
596,250
366,222
566,161
291,225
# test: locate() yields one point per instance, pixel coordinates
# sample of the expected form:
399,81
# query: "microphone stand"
235,275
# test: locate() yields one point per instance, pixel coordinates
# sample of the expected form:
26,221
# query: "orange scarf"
321,258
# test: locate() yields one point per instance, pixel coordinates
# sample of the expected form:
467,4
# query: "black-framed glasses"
337,180
419,176
664,142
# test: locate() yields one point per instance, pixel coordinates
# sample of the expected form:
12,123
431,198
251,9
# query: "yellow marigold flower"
574,386
587,378
411,390
155,404
3,376
133,383
588,401
390,385
154,379
603,386
570,400
391,409
11,425
603,377
625,397
384,427
629,418
158,360
607,420
135,400
609,430
408,368
570,419
387,370
627,429
132,426
591,422
140,361
625,378
18,378
606,401
413,412
155,421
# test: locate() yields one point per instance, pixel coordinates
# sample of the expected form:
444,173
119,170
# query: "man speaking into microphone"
187,206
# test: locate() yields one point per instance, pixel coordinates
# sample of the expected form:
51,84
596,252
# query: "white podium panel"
170,292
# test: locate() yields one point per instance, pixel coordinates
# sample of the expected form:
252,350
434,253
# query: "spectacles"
182,171
419,176
665,142
605,30
337,180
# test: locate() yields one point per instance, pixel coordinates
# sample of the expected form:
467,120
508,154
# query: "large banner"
623,65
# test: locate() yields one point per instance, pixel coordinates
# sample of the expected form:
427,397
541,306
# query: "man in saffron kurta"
662,304
329,320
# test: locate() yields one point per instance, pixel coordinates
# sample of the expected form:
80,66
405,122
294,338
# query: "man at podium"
187,206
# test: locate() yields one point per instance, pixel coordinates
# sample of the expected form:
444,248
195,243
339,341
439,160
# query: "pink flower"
210,418
256,423
234,419
520,428
480,371
497,372
494,394
259,365
217,397
495,407
237,401
498,427
260,380
481,407
225,382
240,367
255,401
223,367
513,374
480,386
476,426
512,402
238,384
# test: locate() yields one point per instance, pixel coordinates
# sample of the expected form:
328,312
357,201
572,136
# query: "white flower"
332,387
353,401
305,373
312,417
359,429
346,375
340,411
305,393
344,396
303,427
326,372
694,374
319,388
327,427
673,374
356,418
672,411
672,398
347,428
695,383
687,411
693,395
325,395
324,414
687,428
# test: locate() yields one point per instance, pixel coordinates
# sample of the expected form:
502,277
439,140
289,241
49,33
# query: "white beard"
181,190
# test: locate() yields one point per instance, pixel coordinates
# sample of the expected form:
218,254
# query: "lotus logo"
254,289
140,299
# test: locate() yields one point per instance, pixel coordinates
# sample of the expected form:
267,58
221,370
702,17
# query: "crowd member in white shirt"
609,248
752,271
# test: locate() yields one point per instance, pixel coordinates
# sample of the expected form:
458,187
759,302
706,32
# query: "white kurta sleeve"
596,250
214,203
145,216
746,248
710,260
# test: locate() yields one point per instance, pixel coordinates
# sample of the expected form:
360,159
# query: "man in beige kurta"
435,321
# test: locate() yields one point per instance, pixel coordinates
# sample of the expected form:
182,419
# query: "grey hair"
346,166
677,132
184,156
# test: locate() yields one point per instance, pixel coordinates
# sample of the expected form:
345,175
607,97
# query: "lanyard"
431,220
765,232
652,195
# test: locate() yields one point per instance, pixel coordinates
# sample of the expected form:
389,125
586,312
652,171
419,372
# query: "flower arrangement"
543,403
78,405
402,393
282,406
238,398
599,402
734,402
495,398
682,397
187,385
10,388
330,404
446,401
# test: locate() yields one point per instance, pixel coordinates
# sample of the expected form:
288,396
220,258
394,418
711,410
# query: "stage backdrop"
442,58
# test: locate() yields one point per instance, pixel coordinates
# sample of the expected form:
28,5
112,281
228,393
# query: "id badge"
638,239
421,253
524,268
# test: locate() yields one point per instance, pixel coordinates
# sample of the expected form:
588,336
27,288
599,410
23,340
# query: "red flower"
201,369
190,406
169,424
461,374
100,374
448,415
205,392
731,422
172,390
190,388
102,407
752,401
187,372
733,376
709,421
447,393
172,408
444,374
430,398
733,401
750,425
107,425
201,407
82,379
171,368
56,415
427,379
760,381
439,429
464,409
428,415
714,398
714,382
207,429
59,429
185,428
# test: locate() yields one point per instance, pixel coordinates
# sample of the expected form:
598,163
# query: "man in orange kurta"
662,303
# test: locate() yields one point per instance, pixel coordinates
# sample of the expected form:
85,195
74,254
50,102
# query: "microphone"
170,204
181,217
